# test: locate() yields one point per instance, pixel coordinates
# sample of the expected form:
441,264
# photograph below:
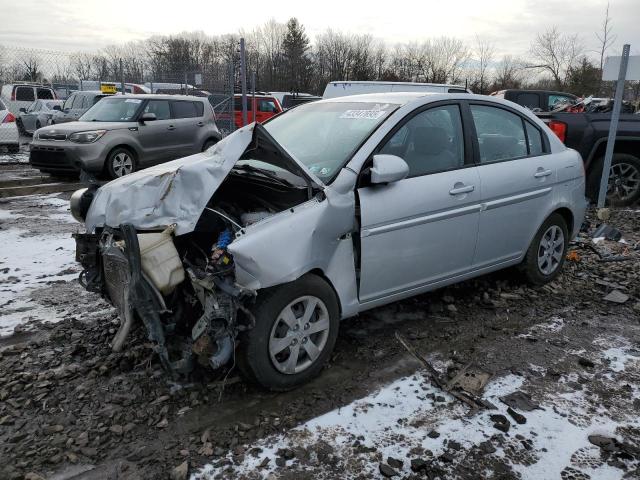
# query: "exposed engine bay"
183,287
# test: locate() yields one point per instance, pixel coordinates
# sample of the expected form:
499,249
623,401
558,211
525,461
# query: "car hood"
177,192
73,127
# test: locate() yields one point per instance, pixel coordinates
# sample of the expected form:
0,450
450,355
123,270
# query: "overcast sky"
510,24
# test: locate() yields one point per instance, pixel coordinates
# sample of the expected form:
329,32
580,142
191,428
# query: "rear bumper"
9,134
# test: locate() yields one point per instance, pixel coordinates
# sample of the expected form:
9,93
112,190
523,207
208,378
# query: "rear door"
29,118
157,137
517,176
188,120
422,229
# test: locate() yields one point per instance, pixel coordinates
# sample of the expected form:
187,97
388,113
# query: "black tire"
208,144
631,165
530,266
38,125
115,158
21,129
254,357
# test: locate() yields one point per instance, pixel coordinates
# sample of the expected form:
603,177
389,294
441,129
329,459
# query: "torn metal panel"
174,192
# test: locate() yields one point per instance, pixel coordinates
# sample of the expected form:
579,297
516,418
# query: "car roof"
399,98
155,96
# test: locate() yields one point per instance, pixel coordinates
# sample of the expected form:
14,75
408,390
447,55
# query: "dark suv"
536,100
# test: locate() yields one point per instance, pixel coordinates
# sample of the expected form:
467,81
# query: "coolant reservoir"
160,260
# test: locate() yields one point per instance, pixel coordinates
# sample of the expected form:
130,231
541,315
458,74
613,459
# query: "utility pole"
122,77
243,82
613,127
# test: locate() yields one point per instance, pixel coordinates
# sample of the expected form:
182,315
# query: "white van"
344,88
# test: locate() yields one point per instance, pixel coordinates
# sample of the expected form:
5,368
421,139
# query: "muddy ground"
71,408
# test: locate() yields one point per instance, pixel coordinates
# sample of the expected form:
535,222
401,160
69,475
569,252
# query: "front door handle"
200,124
460,188
171,127
542,173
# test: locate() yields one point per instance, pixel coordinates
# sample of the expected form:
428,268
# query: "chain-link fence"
38,87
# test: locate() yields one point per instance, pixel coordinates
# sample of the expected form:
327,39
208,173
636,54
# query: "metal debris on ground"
616,296
455,390
608,232
520,401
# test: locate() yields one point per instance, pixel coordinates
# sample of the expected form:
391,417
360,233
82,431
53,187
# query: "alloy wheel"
122,164
550,250
624,182
299,334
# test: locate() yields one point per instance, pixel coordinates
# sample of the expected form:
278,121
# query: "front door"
157,137
517,178
422,229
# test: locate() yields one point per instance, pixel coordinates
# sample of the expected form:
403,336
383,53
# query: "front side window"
500,134
325,135
25,94
69,102
45,93
77,101
184,109
160,108
113,110
431,141
265,105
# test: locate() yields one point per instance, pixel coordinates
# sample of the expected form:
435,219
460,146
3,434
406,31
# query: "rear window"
529,100
237,103
25,94
45,94
186,109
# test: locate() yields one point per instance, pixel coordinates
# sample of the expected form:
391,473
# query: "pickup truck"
587,133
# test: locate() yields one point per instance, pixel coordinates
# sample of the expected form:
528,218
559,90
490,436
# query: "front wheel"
295,331
545,257
120,162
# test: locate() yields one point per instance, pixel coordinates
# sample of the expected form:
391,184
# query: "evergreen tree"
296,57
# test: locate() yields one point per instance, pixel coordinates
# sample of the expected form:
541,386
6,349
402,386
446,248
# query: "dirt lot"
71,408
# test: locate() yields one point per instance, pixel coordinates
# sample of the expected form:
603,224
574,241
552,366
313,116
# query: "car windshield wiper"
264,173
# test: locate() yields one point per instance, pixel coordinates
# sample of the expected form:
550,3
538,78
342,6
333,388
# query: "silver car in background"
38,115
281,230
123,133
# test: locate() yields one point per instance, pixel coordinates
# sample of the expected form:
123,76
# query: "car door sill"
426,287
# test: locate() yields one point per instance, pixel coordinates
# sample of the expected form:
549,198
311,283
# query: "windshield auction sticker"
133,100
363,114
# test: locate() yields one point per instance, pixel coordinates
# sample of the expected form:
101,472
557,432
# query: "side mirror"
57,107
147,117
23,110
388,169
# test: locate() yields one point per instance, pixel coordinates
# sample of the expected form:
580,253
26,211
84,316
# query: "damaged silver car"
252,252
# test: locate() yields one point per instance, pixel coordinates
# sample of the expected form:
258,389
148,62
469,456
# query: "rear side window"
529,100
184,109
69,101
199,108
500,134
85,102
25,94
77,101
160,108
237,103
534,136
45,93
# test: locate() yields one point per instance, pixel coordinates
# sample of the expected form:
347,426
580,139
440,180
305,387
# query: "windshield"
113,110
324,136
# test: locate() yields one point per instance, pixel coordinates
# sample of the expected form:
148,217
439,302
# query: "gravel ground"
71,408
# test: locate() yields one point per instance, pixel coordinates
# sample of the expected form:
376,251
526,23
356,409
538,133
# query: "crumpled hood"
174,192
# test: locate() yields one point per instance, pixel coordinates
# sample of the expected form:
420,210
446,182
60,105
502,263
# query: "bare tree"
484,53
605,37
556,53
508,73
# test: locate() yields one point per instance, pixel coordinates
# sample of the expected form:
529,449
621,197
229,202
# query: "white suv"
22,95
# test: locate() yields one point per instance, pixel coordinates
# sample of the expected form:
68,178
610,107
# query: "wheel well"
320,273
568,217
126,147
210,139
631,147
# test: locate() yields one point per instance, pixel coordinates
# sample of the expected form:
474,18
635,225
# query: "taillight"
559,128
9,118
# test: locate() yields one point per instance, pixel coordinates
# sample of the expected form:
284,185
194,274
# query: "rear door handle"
200,124
171,127
460,188
542,173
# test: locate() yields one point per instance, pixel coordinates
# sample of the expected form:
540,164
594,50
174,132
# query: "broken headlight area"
183,288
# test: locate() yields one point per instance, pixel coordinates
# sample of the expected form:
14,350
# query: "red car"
266,106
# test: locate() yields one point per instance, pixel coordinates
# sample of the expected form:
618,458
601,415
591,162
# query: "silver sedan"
267,240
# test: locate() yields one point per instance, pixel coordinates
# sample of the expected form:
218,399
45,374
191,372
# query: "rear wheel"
623,188
120,162
545,257
295,332
208,144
